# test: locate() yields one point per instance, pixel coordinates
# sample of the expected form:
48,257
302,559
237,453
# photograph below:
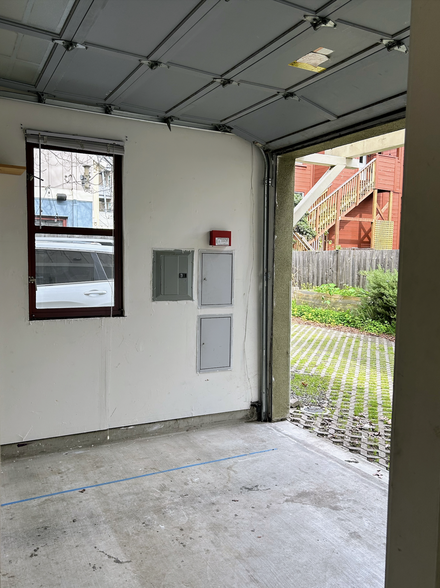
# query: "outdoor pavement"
251,504
343,385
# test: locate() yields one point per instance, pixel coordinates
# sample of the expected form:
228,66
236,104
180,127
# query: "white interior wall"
62,377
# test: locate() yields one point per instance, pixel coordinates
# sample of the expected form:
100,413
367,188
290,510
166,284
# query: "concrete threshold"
235,505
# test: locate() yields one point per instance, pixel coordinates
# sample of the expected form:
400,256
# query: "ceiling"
219,64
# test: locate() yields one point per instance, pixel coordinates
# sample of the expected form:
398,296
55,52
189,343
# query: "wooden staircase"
331,207
300,243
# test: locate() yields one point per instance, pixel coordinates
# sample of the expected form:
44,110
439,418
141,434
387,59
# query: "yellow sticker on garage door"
312,61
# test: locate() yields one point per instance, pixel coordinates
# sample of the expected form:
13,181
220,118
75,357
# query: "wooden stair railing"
301,243
329,208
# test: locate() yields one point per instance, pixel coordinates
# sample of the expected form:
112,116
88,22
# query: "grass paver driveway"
342,387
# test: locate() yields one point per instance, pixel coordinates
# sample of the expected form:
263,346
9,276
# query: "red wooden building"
360,209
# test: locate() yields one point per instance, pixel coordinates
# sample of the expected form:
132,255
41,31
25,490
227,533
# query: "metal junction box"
173,274
214,343
216,279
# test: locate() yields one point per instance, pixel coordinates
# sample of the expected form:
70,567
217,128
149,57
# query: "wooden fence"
339,267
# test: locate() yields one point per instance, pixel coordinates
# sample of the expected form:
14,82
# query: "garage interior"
213,100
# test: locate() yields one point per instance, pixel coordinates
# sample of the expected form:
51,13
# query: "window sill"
76,314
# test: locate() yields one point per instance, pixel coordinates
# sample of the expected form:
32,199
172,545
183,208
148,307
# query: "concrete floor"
300,516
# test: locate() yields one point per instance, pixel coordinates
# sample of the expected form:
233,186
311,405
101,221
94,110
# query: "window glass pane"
73,271
106,260
73,189
55,266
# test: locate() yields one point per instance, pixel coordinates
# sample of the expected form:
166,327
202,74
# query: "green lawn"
343,384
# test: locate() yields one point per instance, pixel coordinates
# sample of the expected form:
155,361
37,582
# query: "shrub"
380,300
302,226
331,317
345,291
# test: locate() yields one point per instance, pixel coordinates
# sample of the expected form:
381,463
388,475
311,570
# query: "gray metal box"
214,343
216,279
173,274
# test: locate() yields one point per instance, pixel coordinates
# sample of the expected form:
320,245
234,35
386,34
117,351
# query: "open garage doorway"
344,296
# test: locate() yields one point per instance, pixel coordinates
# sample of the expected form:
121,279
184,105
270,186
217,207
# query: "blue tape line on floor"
193,465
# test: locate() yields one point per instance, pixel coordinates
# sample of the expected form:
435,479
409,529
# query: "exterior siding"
385,172
306,177
389,178
342,178
354,234
398,178
358,234
397,210
303,178
318,172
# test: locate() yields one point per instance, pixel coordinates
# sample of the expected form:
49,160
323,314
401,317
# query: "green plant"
307,286
380,300
331,317
310,389
332,289
302,226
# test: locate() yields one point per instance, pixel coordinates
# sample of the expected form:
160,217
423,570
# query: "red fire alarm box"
220,238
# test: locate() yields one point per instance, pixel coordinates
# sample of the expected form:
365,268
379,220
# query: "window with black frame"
74,190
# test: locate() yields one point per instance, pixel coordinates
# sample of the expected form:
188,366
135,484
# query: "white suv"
73,272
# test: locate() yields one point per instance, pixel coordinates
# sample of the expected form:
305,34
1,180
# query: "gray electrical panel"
214,343
216,279
173,275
